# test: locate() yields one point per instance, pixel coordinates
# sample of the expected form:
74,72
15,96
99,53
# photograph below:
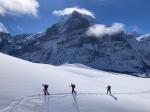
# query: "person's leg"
44,91
110,91
47,93
75,92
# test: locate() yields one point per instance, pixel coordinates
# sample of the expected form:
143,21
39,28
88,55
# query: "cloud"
19,7
3,28
68,11
99,30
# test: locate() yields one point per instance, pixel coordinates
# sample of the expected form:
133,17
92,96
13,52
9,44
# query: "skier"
73,87
45,89
108,89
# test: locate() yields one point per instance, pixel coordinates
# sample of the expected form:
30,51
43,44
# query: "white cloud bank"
68,11
19,7
99,30
3,28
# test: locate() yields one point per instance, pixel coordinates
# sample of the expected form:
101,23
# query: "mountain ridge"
66,42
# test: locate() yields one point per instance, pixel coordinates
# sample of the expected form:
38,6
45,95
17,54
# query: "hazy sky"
26,16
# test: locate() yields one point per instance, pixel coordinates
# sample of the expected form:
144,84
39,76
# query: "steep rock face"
76,22
104,53
5,42
67,42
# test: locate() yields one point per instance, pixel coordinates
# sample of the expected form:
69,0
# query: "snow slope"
21,90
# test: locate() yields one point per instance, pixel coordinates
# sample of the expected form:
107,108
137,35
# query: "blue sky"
133,13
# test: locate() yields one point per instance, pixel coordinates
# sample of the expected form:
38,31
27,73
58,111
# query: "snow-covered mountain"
67,42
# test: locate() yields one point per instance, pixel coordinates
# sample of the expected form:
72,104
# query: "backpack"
109,87
73,86
46,86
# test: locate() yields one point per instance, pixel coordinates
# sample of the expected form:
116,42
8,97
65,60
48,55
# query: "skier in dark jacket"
73,88
45,89
109,89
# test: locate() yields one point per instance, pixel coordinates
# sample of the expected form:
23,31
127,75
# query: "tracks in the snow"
16,104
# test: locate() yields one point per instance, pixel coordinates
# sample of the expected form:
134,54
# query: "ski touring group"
45,90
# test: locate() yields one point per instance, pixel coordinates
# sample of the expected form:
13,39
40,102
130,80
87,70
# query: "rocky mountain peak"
4,35
76,22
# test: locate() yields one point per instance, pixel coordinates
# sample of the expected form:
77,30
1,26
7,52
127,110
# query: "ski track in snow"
43,104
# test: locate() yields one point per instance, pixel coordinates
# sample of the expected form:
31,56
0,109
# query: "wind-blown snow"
68,11
22,80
